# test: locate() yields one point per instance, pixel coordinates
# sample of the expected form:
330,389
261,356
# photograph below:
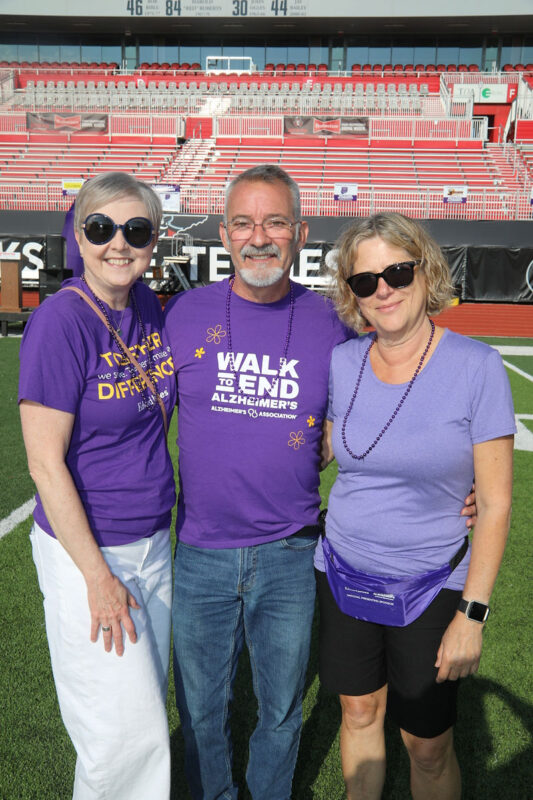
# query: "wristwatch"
478,612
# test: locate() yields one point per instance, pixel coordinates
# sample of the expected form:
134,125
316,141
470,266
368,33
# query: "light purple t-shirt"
249,461
117,456
397,511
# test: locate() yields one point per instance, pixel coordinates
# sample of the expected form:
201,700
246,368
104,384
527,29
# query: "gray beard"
261,277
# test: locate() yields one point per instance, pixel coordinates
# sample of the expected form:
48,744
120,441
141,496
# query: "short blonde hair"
109,186
399,231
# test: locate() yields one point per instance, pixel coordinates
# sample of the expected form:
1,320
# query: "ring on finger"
106,628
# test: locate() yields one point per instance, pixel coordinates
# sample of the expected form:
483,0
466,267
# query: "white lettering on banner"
194,252
219,268
309,268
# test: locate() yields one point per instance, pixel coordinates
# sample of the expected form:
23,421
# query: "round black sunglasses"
398,276
100,229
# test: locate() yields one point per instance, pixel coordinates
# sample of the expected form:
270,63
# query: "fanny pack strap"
458,557
142,373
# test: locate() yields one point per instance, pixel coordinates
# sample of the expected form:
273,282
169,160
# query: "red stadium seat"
377,68
420,68
399,69
367,67
290,69
387,68
301,69
408,68
431,68
441,67
280,69
322,68
519,67
452,68
473,68
462,68
269,68
356,69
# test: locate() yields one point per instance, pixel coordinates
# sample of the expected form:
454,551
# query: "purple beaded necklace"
283,359
396,410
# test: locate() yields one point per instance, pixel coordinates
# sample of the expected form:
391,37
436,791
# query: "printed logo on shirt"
256,386
119,380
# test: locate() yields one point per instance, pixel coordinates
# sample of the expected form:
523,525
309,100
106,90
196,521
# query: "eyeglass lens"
276,227
100,229
397,276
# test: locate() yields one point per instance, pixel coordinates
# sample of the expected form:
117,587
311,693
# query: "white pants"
114,708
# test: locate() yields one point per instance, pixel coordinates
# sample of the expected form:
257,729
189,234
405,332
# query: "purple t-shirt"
249,461
117,455
397,511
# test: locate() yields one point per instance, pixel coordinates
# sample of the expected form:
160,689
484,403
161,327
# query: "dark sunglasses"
100,229
396,275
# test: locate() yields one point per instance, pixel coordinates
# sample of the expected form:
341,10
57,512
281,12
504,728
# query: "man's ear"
222,232
303,233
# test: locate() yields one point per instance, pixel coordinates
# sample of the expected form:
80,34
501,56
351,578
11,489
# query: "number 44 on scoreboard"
279,7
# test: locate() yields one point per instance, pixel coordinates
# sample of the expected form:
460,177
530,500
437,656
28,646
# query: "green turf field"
493,734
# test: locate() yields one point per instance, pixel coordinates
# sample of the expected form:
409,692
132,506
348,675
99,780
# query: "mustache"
266,250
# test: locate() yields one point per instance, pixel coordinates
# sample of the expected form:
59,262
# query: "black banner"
499,273
484,274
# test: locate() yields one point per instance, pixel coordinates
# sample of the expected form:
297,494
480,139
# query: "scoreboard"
378,9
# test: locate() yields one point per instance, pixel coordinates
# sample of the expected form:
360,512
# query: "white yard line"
521,372
16,517
513,350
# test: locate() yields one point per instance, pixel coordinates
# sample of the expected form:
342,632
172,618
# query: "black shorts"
358,658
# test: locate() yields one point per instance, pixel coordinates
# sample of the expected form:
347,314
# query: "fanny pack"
384,599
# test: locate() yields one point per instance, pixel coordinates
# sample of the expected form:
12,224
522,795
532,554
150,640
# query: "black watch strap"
474,610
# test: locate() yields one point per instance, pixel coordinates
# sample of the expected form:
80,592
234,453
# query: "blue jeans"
264,595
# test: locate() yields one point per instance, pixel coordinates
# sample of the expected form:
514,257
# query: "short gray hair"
109,186
269,173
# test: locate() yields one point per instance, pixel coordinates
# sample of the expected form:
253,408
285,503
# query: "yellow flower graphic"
215,334
296,440
311,421
199,352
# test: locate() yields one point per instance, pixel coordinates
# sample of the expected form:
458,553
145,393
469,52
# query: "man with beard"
252,358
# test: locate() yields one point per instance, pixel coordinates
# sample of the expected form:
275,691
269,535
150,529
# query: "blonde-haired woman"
415,412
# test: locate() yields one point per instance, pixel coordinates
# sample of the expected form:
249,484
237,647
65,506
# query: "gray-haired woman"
96,386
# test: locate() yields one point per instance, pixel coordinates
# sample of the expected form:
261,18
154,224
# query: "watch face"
478,611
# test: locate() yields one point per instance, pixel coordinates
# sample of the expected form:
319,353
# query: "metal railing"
121,124
191,103
412,129
203,198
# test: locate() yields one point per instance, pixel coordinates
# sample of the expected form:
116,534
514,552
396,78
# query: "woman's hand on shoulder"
459,653
326,447
109,604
